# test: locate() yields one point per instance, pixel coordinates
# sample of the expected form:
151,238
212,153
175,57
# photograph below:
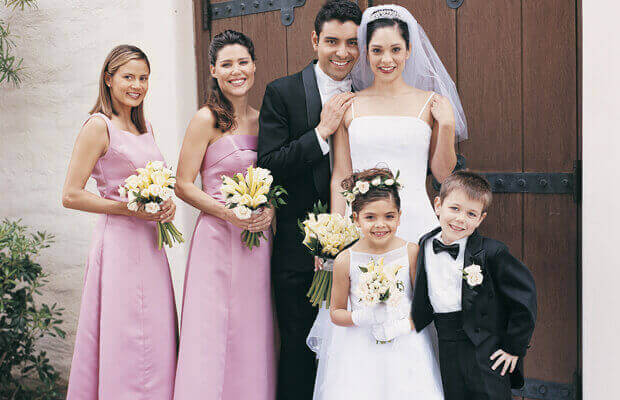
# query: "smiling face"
387,53
234,70
459,215
378,220
336,47
129,84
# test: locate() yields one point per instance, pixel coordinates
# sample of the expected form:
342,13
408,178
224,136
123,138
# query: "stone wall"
64,44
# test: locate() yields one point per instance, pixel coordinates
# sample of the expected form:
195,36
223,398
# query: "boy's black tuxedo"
500,313
288,146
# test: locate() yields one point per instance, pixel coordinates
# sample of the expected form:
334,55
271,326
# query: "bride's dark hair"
387,22
374,193
219,105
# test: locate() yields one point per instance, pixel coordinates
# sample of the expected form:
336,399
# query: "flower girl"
375,352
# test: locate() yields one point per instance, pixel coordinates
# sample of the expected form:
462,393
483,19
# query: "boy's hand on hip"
510,361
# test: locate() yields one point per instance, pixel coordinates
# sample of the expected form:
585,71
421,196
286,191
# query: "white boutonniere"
473,275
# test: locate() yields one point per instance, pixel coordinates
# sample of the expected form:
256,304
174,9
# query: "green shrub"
25,372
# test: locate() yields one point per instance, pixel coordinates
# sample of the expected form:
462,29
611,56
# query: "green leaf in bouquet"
363,269
385,295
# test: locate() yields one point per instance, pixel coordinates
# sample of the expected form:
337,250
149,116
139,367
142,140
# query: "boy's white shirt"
444,276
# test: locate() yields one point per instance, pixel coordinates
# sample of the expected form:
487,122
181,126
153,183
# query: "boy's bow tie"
452,249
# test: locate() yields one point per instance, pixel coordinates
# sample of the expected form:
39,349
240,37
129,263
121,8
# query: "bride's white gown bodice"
400,143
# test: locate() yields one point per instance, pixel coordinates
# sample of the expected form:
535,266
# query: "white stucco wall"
64,45
601,210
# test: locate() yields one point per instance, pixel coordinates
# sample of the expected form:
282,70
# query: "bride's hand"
442,111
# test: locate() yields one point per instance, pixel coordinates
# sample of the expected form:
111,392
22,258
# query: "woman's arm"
91,144
342,168
340,291
199,134
442,155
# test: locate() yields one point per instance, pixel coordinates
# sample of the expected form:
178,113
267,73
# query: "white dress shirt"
444,276
327,88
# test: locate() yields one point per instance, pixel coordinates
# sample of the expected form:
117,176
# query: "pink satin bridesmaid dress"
126,342
227,345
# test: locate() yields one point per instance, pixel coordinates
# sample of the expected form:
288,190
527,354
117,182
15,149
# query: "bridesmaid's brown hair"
219,105
118,57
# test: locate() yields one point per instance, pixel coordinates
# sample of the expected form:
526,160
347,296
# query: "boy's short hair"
475,186
341,10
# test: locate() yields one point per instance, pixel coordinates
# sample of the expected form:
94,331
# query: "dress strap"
107,122
425,104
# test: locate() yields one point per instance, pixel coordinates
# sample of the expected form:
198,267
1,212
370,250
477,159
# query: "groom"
298,115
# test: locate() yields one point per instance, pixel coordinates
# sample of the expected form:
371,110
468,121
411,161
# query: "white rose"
155,190
242,212
131,195
132,181
474,279
166,193
145,192
376,181
151,208
389,182
350,197
362,186
132,206
472,269
122,191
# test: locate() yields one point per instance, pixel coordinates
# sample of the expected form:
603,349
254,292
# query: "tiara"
363,186
384,13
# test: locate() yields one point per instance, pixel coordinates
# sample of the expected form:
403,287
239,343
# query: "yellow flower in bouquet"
325,236
147,189
248,194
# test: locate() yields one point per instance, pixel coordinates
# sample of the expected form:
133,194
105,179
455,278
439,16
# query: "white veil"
423,70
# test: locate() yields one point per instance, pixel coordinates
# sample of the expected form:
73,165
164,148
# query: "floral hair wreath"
363,186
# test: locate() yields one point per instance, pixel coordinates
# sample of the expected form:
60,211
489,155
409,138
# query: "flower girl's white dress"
355,366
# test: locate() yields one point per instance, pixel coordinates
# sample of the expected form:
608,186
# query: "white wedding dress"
350,362
356,367
400,143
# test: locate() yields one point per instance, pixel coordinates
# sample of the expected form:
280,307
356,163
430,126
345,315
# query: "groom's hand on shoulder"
332,113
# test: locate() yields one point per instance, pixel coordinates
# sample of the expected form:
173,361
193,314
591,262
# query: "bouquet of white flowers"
378,284
147,189
326,235
248,194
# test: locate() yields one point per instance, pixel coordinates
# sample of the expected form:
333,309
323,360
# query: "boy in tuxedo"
481,298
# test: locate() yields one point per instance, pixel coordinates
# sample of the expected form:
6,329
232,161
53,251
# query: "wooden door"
515,63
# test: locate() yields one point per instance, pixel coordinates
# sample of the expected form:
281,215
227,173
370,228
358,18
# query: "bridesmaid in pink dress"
226,348
125,347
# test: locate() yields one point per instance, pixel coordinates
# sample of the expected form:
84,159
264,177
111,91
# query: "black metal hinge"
454,3
236,8
531,182
537,389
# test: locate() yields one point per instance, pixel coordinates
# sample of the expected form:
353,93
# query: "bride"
406,116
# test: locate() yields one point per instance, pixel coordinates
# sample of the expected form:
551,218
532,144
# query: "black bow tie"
452,249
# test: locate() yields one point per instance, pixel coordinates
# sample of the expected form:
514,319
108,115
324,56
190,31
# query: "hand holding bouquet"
248,194
378,284
147,190
326,235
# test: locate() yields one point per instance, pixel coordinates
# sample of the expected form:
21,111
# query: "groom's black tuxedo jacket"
502,308
287,145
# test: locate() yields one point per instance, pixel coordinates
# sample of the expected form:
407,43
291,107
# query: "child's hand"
508,359
389,330
369,316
